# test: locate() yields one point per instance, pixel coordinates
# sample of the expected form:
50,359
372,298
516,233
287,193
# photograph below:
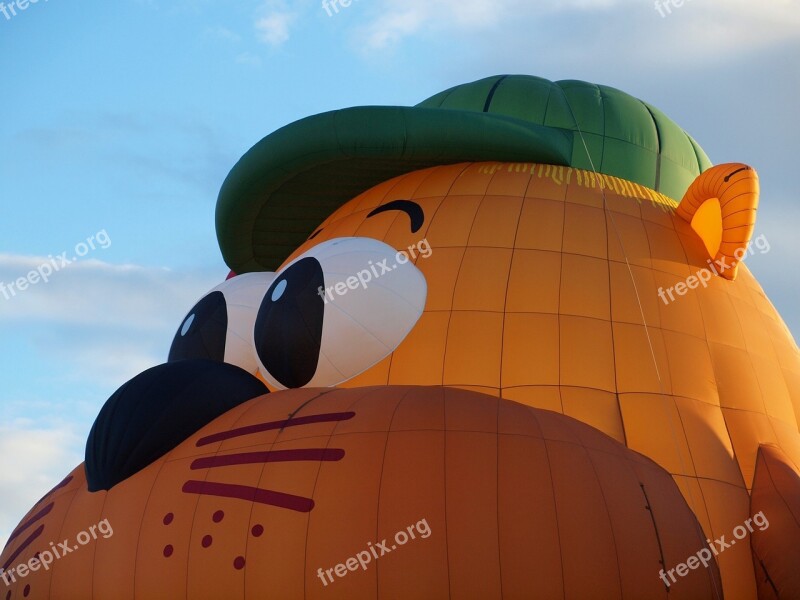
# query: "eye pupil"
279,289
203,334
187,325
288,334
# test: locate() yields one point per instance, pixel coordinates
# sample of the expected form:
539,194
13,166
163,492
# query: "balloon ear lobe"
721,205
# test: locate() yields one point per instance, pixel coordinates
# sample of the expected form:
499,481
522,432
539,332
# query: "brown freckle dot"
26,591
168,518
168,549
238,564
258,531
207,541
218,516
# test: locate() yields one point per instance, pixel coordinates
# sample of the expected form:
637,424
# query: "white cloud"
724,28
273,29
37,457
391,28
397,21
703,29
100,324
93,292
107,322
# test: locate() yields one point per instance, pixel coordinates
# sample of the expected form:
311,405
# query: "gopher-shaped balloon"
498,345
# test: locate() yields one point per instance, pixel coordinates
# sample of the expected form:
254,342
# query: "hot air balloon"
502,344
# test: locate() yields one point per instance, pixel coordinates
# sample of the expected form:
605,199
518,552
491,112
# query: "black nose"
157,410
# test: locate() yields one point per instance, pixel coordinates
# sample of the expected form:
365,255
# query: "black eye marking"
203,332
728,178
288,328
315,234
412,209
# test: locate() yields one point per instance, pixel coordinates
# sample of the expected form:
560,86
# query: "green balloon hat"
294,178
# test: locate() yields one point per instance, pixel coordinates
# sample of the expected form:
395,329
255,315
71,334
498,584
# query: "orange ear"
721,206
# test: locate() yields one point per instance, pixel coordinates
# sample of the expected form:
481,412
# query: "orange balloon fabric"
733,189
588,295
776,553
517,502
583,402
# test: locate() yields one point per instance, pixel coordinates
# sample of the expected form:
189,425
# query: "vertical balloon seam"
644,321
508,282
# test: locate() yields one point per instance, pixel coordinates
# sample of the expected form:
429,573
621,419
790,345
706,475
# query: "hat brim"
292,180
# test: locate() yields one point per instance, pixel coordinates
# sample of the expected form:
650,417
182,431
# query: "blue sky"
124,117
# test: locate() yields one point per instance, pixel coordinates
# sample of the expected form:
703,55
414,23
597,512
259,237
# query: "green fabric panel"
289,182
594,143
294,178
471,97
522,98
559,113
434,101
675,178
627,119
371,132
702,159
285,151
628,161
675,145
587,105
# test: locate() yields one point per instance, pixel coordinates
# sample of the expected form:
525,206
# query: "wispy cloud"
96,292
102,322
273,29
397,21
389,29
36,457
131,141
707,29
93,326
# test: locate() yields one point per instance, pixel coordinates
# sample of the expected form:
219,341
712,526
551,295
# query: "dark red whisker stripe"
249,458
42,513
28,541
65,482
258,428
251,494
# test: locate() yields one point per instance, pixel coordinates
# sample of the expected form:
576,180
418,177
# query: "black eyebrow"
412,209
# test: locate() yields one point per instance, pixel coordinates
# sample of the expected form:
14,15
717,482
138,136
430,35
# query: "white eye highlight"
187,324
